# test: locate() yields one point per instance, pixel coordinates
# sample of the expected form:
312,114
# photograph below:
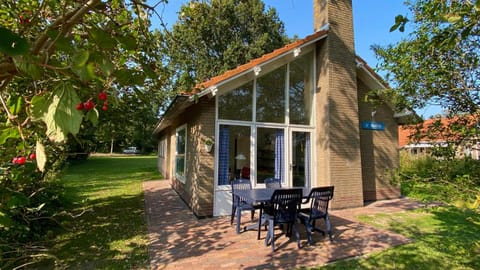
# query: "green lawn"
110,230
444,238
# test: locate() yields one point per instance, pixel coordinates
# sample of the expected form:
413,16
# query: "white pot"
208,147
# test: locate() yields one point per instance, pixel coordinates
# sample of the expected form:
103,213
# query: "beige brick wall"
338,137
197,191
380,156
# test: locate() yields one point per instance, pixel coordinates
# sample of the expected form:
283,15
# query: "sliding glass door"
300,158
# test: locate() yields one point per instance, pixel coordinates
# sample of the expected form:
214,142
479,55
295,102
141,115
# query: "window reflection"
237,104
300,90
271,97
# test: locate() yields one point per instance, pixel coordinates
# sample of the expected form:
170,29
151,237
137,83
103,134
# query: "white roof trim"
207,90
361,66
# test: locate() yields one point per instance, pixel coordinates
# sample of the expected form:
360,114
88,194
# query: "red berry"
32,156
89,105
102,96
105,107
80,106
21,160
15,160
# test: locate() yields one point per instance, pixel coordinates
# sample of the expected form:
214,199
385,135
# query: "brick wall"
197,191
338,137
380,156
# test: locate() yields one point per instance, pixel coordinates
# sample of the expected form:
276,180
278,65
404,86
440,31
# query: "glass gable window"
237,104
271,97
181,149
300,90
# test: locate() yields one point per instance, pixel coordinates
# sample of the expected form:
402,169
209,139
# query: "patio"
178,240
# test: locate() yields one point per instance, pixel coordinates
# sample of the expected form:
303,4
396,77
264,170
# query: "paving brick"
178,240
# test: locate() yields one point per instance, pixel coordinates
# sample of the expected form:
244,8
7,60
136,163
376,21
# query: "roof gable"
250,66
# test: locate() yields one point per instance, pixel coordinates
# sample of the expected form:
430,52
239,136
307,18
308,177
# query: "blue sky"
372,21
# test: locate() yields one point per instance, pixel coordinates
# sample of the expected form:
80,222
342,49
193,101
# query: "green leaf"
8,133
86,73
5,220
453,18
106,67
38,107
102,38
92,116
80,58
12,44
28,66
62,117
17,200
15,104
128,43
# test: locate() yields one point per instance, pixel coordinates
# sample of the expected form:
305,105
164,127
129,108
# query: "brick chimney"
338,135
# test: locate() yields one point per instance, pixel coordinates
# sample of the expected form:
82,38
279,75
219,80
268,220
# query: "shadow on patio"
178,240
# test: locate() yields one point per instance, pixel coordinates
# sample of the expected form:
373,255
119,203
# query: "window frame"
181,178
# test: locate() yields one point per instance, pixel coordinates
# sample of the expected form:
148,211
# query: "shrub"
454,181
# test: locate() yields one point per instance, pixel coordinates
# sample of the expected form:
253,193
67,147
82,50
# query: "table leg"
239,215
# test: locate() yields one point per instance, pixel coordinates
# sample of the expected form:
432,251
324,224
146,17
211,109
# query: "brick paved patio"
178,240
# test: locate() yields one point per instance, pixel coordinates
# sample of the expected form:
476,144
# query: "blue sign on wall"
373,125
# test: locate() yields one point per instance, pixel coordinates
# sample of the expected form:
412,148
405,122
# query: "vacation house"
297,113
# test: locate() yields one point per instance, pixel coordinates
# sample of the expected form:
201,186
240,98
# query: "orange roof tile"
405,132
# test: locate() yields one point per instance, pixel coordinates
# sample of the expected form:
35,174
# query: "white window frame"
181,178
161,148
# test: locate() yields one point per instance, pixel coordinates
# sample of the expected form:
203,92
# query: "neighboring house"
439,133
297,113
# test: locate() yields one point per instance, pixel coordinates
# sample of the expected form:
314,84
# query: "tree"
439,63
211,37
62,64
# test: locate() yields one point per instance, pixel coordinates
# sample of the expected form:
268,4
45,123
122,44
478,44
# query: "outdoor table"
260,196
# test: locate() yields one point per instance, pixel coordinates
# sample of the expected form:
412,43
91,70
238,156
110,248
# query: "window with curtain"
181,150
233,153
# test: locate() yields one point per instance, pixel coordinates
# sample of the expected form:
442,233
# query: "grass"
443,238
110,230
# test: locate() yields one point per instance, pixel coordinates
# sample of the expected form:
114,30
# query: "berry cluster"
25,17
89,105
21,159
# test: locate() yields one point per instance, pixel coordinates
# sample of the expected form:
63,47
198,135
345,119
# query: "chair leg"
239,215
329,227
253,215
234,211
271,233
309,229
297,233
269,236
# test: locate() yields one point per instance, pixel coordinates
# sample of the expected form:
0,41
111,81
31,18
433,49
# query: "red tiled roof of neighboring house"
255,62
405,132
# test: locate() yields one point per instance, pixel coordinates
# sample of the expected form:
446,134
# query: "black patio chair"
285,206
319,199
239,203
273,183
